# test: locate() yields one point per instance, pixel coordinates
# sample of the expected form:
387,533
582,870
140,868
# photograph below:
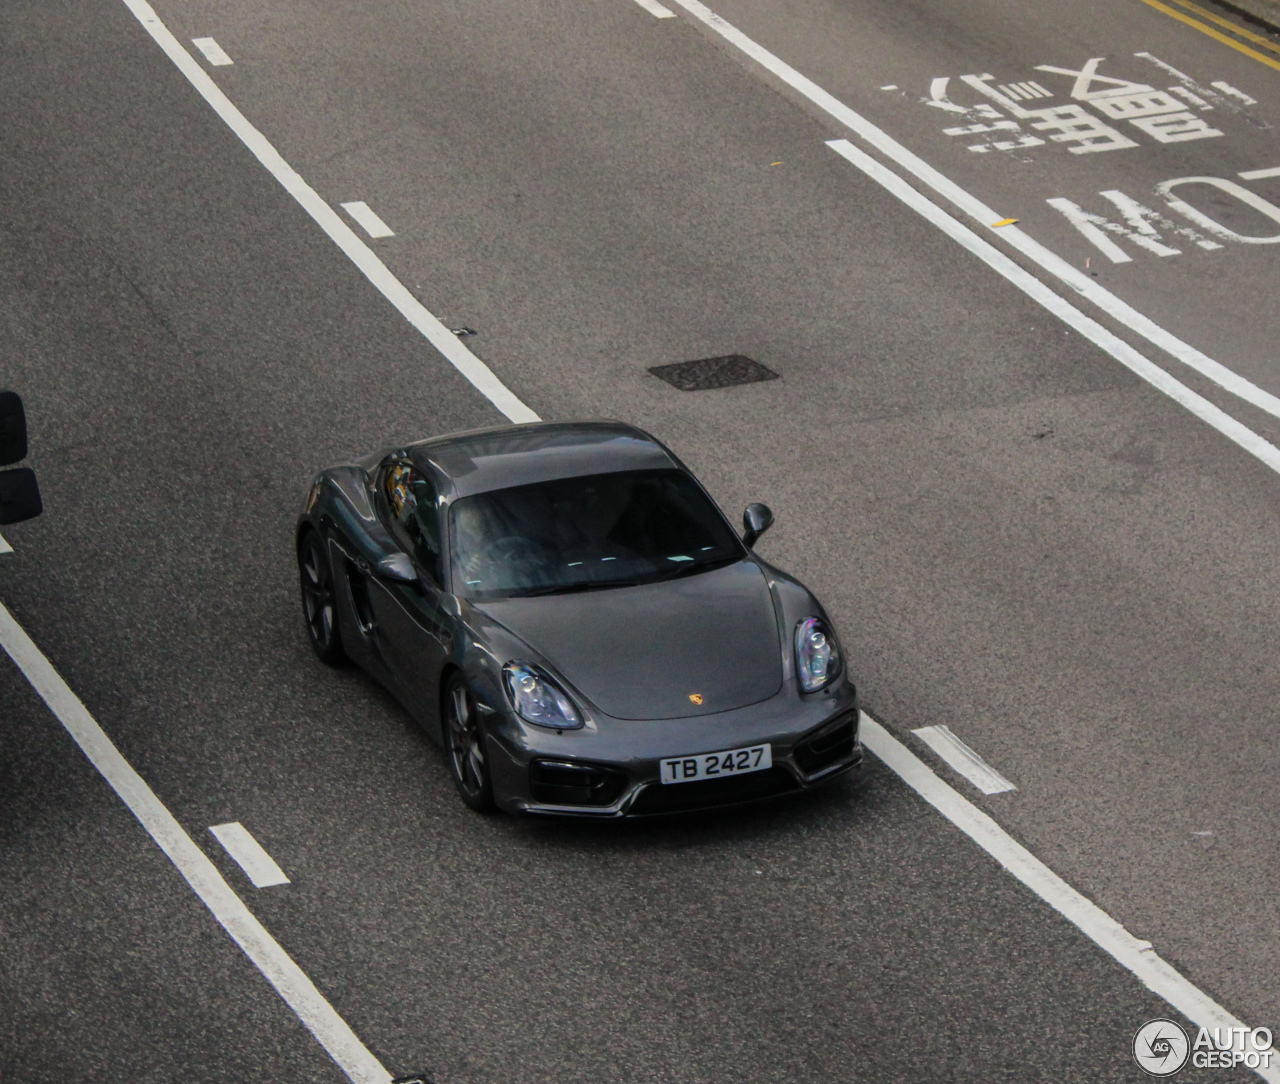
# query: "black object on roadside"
19,495
13,429
19,491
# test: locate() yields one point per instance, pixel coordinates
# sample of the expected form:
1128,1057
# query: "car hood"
642,652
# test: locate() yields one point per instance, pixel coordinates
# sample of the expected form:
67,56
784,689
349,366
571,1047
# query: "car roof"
516,455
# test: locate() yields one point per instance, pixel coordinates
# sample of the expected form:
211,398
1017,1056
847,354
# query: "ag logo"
696,697
1161,1048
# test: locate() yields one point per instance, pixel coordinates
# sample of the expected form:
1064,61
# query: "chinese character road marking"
1065,123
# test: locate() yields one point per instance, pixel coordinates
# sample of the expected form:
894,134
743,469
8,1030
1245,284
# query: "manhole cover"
707,373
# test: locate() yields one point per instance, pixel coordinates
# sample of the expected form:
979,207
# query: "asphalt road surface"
1017,536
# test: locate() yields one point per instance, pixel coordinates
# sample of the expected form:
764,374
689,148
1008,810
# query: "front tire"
318,605
464,746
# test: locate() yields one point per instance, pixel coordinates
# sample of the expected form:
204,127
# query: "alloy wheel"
464,742
317,601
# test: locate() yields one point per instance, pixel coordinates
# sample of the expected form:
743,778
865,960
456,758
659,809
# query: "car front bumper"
614,770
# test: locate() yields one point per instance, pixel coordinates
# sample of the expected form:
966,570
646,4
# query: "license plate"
756,758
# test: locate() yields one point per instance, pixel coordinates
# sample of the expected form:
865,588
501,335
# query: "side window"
411,502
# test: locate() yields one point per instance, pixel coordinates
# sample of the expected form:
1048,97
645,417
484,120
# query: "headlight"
539,700
817,657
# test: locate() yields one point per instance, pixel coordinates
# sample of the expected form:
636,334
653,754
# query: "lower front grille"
830,745
705,793
566,782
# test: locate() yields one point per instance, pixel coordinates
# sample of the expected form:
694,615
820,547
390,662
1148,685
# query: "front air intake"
828,745
567,782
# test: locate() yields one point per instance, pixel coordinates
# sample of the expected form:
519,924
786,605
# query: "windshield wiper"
571,588
683,569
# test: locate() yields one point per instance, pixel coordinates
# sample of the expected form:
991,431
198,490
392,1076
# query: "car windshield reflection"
594,532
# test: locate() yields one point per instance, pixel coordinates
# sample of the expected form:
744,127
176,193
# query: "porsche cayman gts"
567,611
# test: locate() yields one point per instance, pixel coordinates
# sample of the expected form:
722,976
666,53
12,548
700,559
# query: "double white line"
1050,262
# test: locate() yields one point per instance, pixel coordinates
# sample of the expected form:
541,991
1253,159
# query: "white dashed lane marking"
249,854
656,10
1239,95
367,220
1133,953
279,968
963,759
471,367
213,52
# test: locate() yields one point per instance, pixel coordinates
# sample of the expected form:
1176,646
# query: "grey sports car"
569,613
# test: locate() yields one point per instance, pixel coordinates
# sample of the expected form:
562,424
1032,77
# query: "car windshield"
579,534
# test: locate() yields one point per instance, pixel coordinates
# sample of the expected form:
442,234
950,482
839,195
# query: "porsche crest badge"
696,697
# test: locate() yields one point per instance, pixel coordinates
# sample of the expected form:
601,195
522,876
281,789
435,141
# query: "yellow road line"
1215,34
1235,28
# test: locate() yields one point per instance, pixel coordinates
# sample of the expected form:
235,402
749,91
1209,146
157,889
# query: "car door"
409,619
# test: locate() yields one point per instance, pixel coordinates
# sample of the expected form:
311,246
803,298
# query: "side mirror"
19,495
397,567
756,519
13,429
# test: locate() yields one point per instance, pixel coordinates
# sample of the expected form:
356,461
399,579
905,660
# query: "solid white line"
1119,349
1083,284
656,10
249,854
369,222
1136,955
290,981
1259,174
4,546
213,52
360,254
963,759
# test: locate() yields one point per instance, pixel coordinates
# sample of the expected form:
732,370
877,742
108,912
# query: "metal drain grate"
707,373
